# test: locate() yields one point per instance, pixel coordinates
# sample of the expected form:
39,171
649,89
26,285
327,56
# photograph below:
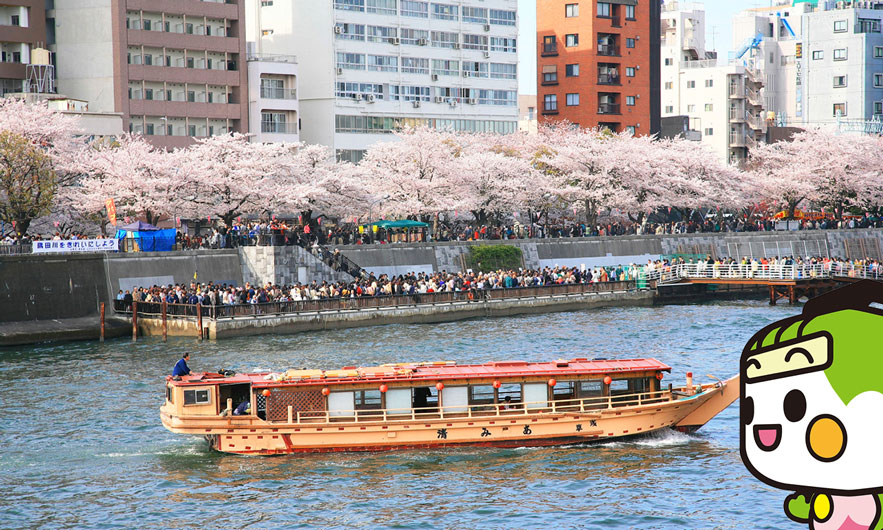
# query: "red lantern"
497,384
439,386
659,376
607,379
383,389
552,382
326,391
266,392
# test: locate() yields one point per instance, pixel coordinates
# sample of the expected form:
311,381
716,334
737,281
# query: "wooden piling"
101,328
165,327
199,319
134,321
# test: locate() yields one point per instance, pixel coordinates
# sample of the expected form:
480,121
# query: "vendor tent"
138,226
404,223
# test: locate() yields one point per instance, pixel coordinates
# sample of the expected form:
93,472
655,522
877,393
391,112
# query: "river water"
81,444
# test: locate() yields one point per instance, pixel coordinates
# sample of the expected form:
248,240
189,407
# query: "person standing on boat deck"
181,367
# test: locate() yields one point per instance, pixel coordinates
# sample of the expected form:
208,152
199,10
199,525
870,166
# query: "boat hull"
250,435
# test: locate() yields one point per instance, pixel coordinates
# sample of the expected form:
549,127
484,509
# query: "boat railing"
596,404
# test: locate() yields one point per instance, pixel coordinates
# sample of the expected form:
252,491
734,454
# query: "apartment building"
174,70
722,102
273,107
370,67
22,29
598,63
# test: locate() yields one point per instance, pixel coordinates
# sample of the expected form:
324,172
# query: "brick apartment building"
598,63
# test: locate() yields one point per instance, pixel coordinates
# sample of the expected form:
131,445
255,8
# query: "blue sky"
717,19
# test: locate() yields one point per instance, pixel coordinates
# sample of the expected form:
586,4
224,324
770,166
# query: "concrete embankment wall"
410,314
599,251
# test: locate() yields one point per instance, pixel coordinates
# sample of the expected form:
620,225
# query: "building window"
475,14
669,109
691,108
709,131
630,12
839,109
503,44
350,5
878,107
631,129
550,75
502,17
444,11
839,26
382,7
550,45
630,101
840,54
571,40
840,81
572,100
709,107
571,10
878,52
691,84
878,80
669,61
571,70
709,83
818,54
630,71
414,8
550,102
668,85
630,43
604,9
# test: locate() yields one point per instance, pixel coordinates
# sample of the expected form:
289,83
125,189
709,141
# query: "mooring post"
199,319
101,332
134,321
165,328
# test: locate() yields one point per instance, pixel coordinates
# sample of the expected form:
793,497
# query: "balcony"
608,50
608,108
278,93
549,110
549,50
738,140
608,79
737,91
278,127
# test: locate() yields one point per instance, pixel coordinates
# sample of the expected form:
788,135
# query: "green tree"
27,181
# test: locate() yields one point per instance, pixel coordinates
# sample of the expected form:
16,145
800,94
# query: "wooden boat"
438,404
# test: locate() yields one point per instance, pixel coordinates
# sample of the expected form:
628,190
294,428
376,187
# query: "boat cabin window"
536,395
367,400
590,389
398,400
455,399
564,390
512,391
341,404
239,393
169,394
425,397
481,395
197,397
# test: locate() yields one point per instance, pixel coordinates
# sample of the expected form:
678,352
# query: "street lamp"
371,207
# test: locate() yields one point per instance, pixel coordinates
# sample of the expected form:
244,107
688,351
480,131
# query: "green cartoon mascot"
812,405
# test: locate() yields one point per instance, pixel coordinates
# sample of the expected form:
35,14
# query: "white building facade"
369,67
723,103
273,109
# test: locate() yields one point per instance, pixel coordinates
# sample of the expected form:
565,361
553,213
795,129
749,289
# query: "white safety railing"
762,271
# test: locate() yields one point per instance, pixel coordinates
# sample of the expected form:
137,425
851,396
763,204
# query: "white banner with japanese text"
76,245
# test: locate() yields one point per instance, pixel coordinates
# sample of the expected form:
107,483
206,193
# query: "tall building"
723,103
273,107
598,63
22,29
174,70
369,67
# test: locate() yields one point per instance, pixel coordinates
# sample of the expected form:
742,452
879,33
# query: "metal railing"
608,108
368,302
278,93
16,249
608,79
549,49
760,271
480,410
278,127
608,50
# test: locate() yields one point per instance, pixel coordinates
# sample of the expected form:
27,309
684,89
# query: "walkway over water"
784,281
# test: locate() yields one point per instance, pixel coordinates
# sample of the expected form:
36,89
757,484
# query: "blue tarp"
150,241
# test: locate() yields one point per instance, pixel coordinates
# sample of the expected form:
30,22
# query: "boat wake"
661,438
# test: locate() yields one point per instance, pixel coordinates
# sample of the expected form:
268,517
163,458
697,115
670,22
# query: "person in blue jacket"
181,367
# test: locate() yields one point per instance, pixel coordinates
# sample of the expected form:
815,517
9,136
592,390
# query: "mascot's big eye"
747,410
794,405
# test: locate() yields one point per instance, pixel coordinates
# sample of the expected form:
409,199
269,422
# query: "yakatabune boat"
425,405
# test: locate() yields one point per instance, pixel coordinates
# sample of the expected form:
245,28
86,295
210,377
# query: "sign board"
76,245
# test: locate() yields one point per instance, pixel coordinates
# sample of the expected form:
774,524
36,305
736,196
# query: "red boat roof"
434,371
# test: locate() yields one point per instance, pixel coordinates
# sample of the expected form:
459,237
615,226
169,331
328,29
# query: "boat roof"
431,372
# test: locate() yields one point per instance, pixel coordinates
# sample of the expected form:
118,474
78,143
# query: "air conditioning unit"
467,74
395,40
416,104
439,99
338,30
370,98
487,27
471,101
339,71
487,54
456,46
358,97
435,77
452,102
422,42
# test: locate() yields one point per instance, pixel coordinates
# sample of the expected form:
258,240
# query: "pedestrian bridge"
784,281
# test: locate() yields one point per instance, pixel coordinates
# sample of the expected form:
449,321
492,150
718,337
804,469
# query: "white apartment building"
723,103
368,67
273,108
